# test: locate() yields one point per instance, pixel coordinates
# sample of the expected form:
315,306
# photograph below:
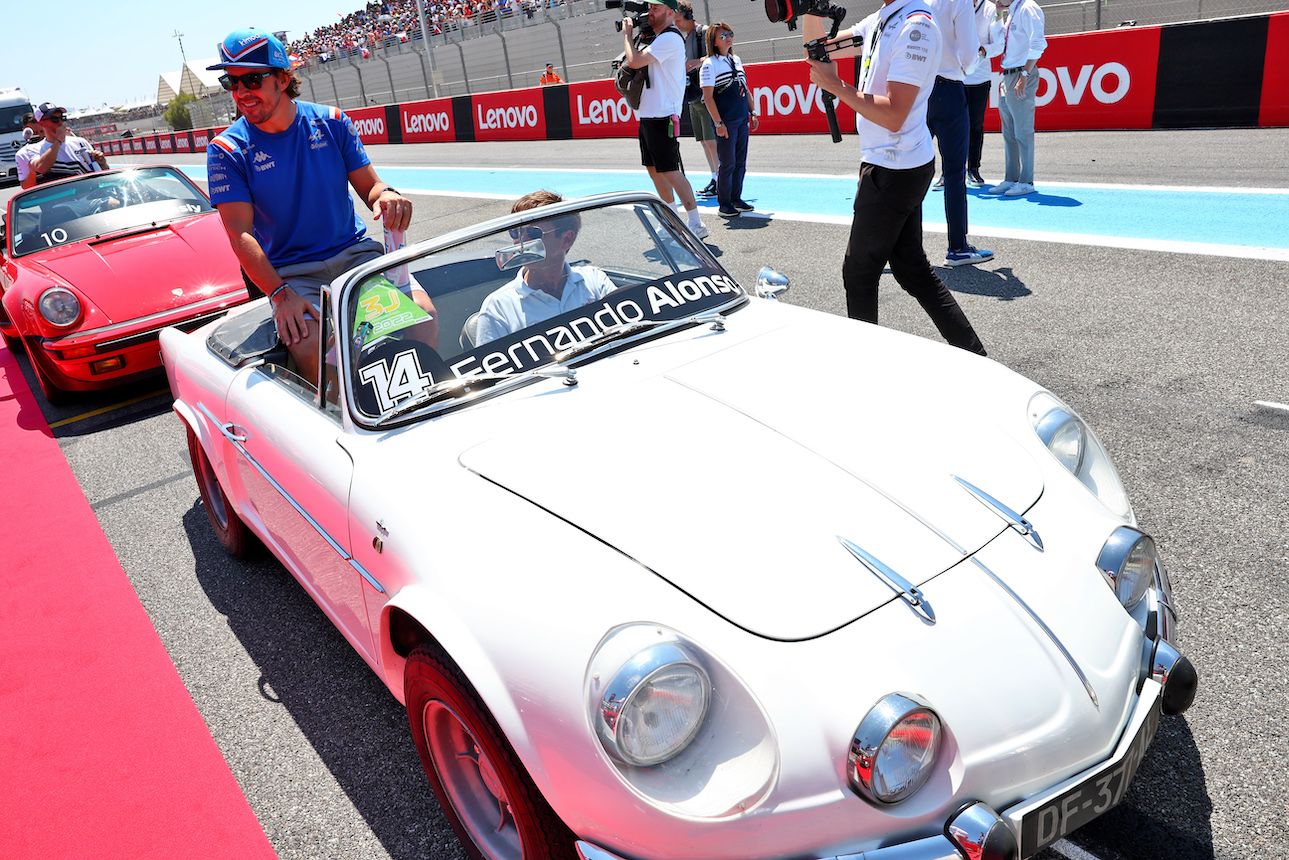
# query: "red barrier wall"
1102,80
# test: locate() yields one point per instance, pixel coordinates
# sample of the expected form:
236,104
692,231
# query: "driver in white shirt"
545,288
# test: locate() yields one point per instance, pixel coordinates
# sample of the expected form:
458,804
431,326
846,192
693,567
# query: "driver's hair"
532,200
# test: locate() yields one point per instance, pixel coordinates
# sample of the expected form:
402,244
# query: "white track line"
1068,849
1267,404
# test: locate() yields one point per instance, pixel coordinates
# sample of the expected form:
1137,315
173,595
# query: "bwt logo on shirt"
258,163
422,123
371,127
511,117
604,111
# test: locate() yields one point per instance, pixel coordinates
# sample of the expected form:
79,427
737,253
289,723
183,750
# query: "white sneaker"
1019,189
699,230
1002,187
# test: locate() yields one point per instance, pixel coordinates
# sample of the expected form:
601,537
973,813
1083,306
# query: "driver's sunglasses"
250,80
530,232
59,118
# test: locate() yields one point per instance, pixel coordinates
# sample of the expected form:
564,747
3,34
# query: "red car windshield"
98,204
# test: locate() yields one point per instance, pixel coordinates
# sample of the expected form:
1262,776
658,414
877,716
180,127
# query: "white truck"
13,104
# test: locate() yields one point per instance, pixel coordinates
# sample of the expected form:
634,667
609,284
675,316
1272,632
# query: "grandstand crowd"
380,24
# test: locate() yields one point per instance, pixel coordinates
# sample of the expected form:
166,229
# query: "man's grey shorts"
306,279
701,120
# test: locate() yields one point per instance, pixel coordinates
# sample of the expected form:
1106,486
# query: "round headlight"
1128,562
59,306
654,706
1076,447
894,749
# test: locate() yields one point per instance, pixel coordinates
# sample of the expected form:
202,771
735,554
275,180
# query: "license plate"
1089,799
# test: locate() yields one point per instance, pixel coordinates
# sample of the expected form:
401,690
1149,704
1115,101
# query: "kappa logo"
261,156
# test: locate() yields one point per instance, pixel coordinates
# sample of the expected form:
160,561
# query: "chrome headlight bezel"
1071,442
1128,561
60,307
617,724
875,741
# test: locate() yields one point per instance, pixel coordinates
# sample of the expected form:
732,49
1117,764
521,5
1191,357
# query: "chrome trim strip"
901,586
159,315
227,430
1083,679
1022,526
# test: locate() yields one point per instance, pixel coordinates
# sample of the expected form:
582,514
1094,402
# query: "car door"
297,478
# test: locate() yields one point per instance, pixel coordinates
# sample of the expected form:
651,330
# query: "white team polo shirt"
901,44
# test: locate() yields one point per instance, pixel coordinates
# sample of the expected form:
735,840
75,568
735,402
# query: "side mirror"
771,284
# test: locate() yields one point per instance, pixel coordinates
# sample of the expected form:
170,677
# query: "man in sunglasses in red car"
280,178
60,155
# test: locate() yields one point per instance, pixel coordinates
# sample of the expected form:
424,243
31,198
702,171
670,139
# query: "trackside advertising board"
426,122
1230,72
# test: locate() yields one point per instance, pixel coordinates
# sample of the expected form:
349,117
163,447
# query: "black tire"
236,539
486,795
53,394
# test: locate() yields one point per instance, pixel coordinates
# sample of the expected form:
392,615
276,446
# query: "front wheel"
487,796
234,536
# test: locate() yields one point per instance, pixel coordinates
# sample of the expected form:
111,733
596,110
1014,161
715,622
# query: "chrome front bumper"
974,833
978,832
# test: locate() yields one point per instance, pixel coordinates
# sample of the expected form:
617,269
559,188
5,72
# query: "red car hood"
171,266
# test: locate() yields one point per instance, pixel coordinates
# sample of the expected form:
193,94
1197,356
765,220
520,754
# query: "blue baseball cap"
252,48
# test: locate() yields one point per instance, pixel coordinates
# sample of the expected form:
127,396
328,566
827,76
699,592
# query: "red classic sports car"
95,266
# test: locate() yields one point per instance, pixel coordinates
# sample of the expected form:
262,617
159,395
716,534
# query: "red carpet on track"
103,753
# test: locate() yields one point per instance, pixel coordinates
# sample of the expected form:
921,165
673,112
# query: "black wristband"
390,188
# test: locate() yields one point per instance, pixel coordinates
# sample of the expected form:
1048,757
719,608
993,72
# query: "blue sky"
110,53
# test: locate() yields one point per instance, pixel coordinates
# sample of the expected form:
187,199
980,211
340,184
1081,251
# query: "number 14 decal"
396,383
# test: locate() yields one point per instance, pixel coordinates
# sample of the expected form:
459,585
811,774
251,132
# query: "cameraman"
901,50
660,105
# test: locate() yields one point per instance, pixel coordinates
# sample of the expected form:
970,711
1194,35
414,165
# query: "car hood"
734,477
134,275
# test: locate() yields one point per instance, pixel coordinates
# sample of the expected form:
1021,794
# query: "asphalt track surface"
1176,358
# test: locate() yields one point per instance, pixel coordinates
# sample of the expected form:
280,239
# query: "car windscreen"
99,204
506,303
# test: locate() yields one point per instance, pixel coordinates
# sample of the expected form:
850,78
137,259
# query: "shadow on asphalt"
357,728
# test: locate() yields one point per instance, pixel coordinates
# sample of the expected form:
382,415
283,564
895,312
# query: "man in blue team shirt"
280,178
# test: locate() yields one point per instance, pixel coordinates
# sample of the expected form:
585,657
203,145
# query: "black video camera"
638,11
788,11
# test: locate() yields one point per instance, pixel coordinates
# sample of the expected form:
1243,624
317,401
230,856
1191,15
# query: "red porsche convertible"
93,267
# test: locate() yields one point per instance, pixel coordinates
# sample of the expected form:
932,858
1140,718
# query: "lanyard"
871,48
1011,18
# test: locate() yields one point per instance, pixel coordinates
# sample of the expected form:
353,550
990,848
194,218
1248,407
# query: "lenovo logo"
422,123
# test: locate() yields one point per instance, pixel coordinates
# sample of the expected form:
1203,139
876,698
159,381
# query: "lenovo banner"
1091,81
598,110
512,115
427,121
370,123
789,104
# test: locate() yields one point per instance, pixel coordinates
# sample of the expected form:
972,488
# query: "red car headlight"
60,307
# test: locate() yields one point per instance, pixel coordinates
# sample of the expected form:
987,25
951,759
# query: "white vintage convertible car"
684,571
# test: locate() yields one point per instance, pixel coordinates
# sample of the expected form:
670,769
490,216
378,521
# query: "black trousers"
888,229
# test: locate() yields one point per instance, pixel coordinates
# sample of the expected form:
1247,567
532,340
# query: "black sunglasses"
250,80
529,232
59,118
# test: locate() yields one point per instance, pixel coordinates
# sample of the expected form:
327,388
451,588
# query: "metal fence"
579,38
